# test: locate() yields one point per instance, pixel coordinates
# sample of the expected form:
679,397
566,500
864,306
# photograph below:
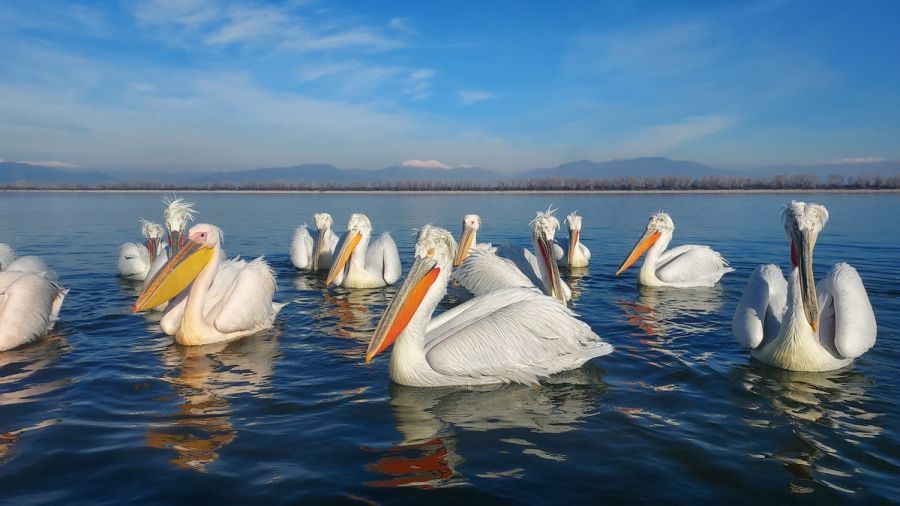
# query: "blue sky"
204,85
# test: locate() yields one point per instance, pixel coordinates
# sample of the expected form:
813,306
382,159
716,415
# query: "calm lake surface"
109,410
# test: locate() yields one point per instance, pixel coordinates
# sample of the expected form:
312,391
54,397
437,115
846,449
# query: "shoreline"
464,192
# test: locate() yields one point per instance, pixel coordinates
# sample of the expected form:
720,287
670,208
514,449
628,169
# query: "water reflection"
820,407
664,315
204,377
20,383
429,419
574,280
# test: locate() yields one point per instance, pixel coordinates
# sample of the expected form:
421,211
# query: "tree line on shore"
665,183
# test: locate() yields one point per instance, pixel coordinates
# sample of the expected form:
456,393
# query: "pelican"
222,300
484,269
177,214
783,324
29,263
468,238
30,299
682,267
513,335
359,264
576,255
135,258
313,251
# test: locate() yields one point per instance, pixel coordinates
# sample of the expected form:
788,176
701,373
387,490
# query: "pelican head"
435,250
573,221
470,225
7,255
543,230
802,224
323,224
153,232
178,213
181,269
659,224
358,228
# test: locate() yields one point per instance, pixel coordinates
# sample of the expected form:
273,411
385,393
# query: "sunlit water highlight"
108,409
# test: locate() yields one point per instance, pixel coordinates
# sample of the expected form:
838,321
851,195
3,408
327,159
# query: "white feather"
29,306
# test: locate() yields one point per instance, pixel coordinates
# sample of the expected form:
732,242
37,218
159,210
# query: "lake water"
108,410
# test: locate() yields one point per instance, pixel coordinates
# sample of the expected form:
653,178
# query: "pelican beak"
574,236
545,246
466,241
422,274
650,236
348,244
176,275
176,241
803,251
317,249
153,248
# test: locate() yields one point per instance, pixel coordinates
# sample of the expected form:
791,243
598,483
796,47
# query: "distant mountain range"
13,172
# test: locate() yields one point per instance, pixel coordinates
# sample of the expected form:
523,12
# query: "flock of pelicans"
515,325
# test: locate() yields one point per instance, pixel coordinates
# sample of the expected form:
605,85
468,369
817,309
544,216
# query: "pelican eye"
430,252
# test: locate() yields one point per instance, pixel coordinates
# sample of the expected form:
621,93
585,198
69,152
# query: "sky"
236,84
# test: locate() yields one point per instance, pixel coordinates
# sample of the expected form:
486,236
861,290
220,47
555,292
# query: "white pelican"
682,267
576,255
313,251
468,238
484,269
177,214
222,300
359,264
30,299
512,335
29,263
135,258
783,322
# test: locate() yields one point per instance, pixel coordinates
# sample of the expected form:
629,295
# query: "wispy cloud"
287,27
469,97
659,139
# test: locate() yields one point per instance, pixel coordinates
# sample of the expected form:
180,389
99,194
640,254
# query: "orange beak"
642,245
422,274
348,244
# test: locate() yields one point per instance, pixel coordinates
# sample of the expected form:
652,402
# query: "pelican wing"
693,264
484,272
34,265
133,261
302,247
382,256
161,258
29,305
247,302
7,255
517,335
846,317
760,310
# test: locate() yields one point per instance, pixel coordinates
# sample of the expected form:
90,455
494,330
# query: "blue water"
108,409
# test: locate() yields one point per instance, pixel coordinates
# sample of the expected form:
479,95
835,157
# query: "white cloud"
658,139
859,160
419,86
52,163
469,97
425,164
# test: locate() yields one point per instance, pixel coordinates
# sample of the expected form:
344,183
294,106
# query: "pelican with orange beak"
514,335
576,255
215,299
686,266
484,269
795,324
359,264
312,250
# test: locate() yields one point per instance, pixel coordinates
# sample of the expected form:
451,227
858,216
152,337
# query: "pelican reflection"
431,419
204,377
663,315
21,382
819,406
